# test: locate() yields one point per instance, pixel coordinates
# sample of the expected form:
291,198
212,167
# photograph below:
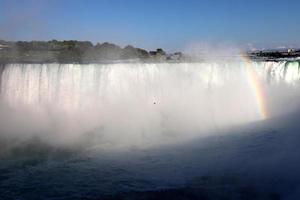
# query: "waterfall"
146,99
73,84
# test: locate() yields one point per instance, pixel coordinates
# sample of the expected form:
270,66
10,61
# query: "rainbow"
257,88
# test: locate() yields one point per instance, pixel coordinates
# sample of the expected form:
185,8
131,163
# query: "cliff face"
73,51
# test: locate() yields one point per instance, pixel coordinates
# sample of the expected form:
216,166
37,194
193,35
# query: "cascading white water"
131,103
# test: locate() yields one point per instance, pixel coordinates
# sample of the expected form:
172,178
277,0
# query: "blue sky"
170,24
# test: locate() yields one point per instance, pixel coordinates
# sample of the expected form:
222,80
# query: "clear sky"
170,24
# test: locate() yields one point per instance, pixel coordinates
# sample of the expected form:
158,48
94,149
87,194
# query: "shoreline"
84,52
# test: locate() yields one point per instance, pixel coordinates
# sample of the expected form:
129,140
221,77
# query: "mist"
109,128
135,104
